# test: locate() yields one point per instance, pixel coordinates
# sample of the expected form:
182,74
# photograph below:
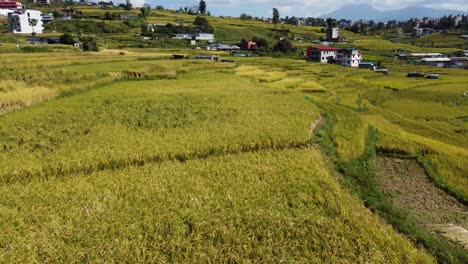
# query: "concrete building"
43,2
223,47
333,34
196,36
420,55
5,12
323,54
419,32
26,22
459,62
47,19
368,65
349,57
438,62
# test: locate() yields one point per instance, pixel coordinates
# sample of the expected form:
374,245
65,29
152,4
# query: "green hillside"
126,155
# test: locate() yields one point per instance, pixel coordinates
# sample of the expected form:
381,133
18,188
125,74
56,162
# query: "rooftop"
459,58
435,60
420,54
324,48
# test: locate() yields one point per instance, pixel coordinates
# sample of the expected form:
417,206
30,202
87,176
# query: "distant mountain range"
368,12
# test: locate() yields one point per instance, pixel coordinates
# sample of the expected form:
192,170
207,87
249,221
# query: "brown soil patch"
410,189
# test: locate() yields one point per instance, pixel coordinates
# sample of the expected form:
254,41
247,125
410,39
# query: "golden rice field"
128,156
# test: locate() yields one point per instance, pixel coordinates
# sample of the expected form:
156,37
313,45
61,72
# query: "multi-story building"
323,54
333,34
28,22
348,57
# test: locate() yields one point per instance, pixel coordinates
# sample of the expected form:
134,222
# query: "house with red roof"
323,54
11,4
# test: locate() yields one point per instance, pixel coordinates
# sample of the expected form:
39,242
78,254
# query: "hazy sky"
300,7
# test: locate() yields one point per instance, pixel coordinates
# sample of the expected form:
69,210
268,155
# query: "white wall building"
196,36
333,33
349,57
5,12
22,22
323,54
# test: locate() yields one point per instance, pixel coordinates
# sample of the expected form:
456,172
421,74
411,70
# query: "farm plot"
411,190
267,206
134,122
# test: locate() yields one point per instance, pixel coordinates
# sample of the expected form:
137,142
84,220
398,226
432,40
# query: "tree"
244,16
261,42
89,44
159,7
331,22
203,24
57,14
276,16
109,16
283,46
144,12
202,7
67,38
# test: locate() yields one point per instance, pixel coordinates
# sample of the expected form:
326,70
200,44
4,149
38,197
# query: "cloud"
138,3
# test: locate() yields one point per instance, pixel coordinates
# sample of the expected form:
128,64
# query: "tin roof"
324,48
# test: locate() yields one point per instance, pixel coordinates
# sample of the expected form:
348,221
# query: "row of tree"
195,10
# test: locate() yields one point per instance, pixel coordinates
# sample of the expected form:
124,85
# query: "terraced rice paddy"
132,156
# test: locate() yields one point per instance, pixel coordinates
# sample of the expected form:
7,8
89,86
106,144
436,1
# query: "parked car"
416,75
432,76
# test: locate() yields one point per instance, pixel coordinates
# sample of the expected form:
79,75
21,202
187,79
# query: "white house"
349,57
438,62
28,22
323,54
205,36
5,12
196,36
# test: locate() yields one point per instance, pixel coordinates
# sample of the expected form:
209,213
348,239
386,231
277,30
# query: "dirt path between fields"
412,191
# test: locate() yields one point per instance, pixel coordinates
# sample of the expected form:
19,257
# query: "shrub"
67,38
284,46
89,44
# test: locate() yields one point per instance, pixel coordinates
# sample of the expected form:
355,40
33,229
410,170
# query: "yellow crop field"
131,155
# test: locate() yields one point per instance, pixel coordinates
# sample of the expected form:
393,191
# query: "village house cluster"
24,21
350,57
431,22
436,59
